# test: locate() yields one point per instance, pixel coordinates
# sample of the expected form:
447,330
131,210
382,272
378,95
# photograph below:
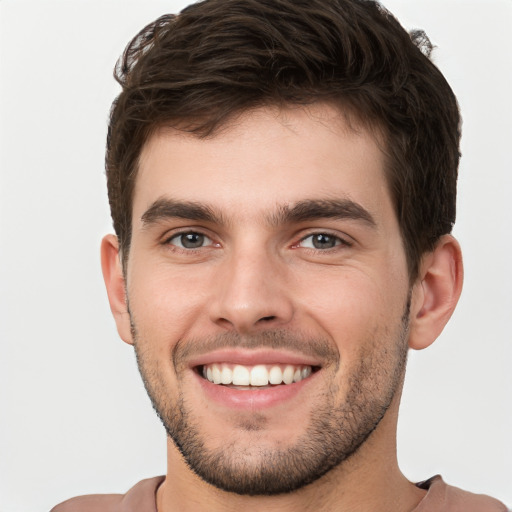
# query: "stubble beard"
336,430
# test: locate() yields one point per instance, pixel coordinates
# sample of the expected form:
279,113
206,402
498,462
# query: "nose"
251,292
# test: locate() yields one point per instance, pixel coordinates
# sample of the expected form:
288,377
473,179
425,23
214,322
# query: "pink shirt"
142,498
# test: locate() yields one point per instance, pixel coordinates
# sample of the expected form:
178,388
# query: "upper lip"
253,357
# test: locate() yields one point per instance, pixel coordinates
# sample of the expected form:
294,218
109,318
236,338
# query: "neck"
369,480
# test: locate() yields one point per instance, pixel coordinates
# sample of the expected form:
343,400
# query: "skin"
257,272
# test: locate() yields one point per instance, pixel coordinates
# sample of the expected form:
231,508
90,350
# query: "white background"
74,416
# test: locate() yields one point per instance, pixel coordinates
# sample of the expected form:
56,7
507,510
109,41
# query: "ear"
436,292
116,286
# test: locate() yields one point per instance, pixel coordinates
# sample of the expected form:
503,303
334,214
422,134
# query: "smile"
259,375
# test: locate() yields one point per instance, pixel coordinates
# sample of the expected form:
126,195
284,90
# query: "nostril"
267,318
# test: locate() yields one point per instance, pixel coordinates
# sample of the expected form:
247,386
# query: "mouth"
254,379
259,376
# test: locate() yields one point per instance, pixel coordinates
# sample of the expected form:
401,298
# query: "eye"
321,241
190,240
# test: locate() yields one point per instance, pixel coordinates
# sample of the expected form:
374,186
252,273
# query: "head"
282,182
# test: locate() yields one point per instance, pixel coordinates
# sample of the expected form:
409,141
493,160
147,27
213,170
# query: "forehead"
263,160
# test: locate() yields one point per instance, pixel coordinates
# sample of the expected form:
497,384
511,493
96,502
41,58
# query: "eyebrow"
165,208
311,209
305,210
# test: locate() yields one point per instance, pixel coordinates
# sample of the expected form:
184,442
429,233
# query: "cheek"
353,307
165,305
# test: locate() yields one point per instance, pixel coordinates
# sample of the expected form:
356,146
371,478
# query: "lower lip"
251,399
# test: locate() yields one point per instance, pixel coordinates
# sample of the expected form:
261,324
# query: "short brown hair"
218,58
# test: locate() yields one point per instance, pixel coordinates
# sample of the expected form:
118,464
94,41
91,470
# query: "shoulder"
443,497
91,503
143,494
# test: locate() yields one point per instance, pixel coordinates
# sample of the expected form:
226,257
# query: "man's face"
268,253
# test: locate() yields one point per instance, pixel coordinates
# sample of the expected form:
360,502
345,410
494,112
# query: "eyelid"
169,236
341,240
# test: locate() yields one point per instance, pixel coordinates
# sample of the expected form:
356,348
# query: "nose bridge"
251,290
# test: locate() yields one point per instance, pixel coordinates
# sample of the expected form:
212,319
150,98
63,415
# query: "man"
282,182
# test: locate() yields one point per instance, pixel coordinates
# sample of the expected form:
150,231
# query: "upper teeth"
259,375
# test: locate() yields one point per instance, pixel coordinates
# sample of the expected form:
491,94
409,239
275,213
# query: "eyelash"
168,240
338,241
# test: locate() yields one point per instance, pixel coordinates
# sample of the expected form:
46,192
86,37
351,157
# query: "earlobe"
436,292
115,284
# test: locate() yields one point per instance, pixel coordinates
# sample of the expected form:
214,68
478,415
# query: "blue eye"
190,240
320,241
